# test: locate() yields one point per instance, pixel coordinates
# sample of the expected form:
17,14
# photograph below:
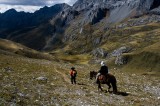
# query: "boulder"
8,69
120,60
42,79
120,51
99,52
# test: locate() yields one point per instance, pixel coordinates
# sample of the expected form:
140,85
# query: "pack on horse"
109,79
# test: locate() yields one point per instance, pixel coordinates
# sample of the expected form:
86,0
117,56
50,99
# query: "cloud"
30,5
28,8
35,2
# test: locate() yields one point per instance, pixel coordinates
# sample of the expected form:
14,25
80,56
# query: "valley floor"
21,85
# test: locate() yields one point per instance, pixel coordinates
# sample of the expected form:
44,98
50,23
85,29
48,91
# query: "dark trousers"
73,79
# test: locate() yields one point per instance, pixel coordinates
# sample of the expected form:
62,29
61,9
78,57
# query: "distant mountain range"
12,19
61,24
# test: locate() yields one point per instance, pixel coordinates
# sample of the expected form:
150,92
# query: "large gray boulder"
99,52
120,60
120,51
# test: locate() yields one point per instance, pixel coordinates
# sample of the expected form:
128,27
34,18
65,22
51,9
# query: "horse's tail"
114,85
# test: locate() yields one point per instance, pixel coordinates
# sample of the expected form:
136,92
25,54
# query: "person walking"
73,75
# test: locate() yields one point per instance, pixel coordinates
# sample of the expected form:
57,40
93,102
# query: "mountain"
112,29
118,10
12,19
98,17
58,24
17,25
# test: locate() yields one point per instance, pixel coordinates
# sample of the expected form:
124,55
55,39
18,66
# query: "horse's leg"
99,86
109,86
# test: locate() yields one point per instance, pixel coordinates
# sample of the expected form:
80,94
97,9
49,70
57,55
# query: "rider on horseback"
102,71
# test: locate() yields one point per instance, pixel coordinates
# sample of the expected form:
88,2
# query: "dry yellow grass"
6,44
78,59
155,48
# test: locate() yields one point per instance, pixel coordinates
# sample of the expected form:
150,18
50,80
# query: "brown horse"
108,79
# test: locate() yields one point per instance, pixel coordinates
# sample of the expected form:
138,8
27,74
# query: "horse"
109,79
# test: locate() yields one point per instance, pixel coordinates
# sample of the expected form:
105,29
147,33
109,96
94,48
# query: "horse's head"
93,74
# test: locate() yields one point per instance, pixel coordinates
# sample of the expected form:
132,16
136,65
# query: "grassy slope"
16,48
19,85
146,60
144,41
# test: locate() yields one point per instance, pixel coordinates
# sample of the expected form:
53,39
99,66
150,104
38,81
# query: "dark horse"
109,79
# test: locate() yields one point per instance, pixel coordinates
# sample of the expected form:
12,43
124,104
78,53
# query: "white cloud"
35,2
30,9
30,5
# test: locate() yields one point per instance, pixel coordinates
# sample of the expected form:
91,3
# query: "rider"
102,71
73,74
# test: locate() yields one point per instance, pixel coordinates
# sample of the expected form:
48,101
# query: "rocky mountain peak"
147,4
12,19
11,11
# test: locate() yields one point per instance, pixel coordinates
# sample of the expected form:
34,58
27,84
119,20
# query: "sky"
30,5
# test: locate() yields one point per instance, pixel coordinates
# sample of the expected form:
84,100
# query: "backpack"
73,73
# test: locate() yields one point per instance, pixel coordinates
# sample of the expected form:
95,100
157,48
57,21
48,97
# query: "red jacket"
73,73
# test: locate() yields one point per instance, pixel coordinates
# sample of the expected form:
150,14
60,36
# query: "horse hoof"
114,92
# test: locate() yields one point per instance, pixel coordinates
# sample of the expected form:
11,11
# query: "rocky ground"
26,81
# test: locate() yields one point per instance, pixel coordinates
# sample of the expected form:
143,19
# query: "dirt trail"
63,75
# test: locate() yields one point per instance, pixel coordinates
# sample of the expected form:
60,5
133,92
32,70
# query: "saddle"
102,78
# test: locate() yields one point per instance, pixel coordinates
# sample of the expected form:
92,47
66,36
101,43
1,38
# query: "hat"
102,63
72,68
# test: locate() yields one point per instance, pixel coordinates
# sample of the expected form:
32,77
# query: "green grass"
72,58
25,71
143,40
146,61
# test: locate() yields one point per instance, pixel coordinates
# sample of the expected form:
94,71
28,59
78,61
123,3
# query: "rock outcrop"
121,60
99,52
120,51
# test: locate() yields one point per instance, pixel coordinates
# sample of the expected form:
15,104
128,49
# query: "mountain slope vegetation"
27,81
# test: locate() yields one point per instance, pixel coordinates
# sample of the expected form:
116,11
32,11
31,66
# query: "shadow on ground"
120,93
123,93
81,84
